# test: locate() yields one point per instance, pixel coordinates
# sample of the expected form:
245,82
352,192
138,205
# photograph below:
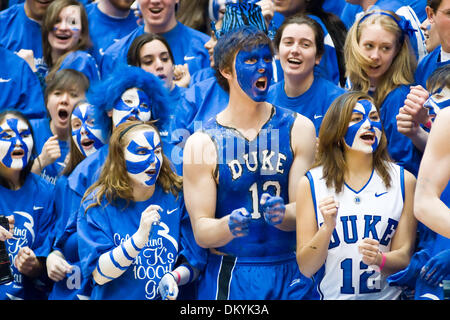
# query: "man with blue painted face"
251,150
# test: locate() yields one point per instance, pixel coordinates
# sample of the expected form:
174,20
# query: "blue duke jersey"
32,207
104,228
372,212
245,170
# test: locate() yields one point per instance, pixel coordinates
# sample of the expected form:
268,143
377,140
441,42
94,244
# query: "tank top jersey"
245,170
372,212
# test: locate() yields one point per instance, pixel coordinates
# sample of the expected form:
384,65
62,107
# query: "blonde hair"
401,71
114,182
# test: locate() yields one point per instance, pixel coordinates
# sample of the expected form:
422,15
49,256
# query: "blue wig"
105,94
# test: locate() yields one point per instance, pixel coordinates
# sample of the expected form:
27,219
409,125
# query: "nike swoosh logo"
5,80
37,208
171,211
379,194
187,58
317,117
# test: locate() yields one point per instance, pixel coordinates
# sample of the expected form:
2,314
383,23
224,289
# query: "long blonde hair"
114,182
401,71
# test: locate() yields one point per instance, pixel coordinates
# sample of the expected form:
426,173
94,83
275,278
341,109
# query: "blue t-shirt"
312,104
400,147
187,46
104,228
17,31
19,86
105,30
253,168
42,132
428,65
32,207
328,67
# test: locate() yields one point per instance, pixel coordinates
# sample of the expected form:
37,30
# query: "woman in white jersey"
355,222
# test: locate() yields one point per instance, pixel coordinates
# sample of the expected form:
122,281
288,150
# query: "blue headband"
403,24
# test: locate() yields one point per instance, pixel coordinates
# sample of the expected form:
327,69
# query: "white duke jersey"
372,212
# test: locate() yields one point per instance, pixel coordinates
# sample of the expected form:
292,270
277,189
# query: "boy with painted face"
249,151
29,199
355,222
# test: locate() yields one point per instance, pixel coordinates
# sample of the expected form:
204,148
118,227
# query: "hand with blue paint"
149,219
437,268
273,209
168,287
239,222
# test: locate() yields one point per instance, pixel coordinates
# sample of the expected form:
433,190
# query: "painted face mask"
440,99
143,157
134,104
254,72
365,133
89,131
16,143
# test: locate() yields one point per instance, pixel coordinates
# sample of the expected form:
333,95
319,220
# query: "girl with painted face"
380,62
65,38
146,231
53,134
354,207
29,200
421,106
300,45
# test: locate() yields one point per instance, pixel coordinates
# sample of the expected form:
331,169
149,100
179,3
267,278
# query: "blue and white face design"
134,104
364,130
254,72
16,143
440,99
143,157
88,133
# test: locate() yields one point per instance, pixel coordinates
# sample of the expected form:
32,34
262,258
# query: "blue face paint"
16,143
254,72
143,157
91,131
364,127
440,99
134,103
